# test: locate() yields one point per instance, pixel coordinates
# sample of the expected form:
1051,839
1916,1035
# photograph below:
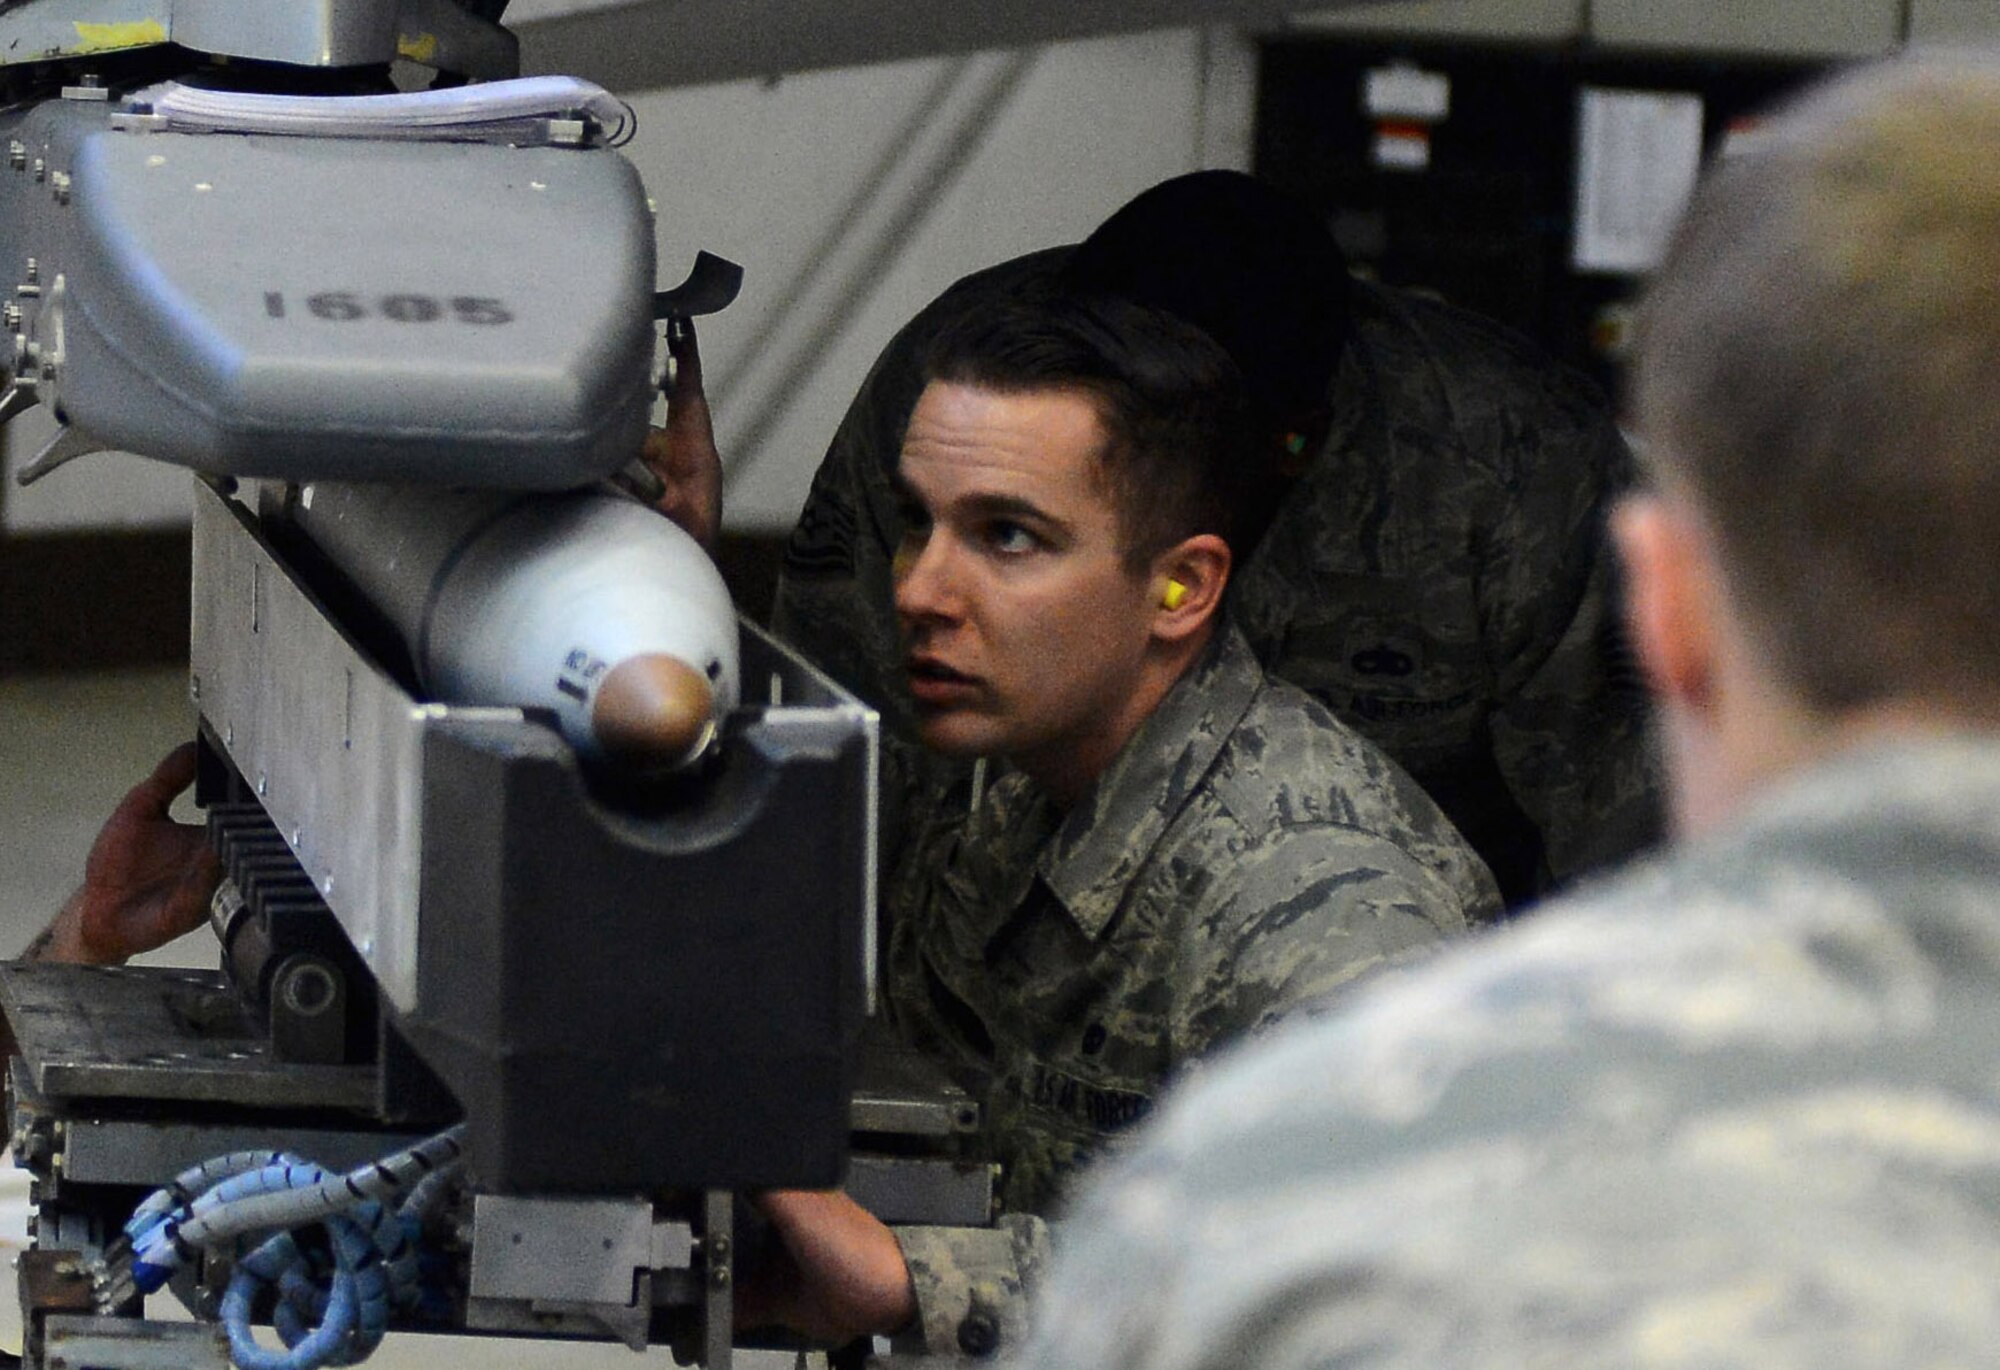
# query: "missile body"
586,604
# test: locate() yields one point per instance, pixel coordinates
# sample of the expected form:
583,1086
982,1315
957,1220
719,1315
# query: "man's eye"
1011,539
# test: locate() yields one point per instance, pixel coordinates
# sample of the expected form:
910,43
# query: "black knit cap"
1247,264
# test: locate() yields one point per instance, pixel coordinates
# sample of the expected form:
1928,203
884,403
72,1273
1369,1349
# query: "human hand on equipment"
147,880
682,456
835,1272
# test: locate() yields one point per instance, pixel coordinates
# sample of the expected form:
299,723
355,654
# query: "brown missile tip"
652,711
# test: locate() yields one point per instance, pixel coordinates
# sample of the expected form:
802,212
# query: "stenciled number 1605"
347,306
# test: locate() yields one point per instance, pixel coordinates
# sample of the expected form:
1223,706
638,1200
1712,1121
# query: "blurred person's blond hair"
1820,371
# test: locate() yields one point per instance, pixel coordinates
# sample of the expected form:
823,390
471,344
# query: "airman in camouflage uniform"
1246,854
1740,1108
1435,576
1181,850
1738,1111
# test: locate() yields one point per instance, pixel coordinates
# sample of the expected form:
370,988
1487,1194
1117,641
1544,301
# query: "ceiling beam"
646,44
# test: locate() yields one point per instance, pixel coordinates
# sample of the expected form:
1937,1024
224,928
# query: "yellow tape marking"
111,37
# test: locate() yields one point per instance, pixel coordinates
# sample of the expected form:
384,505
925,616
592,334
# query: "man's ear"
1187,583
1670,598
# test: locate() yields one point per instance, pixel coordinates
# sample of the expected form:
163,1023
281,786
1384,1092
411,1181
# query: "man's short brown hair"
1819,367
1178,452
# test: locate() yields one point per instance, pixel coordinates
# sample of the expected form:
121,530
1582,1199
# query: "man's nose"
924,579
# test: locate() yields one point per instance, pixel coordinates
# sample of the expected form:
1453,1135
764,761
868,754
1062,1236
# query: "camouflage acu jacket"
1738,1110
1438,578
1244,855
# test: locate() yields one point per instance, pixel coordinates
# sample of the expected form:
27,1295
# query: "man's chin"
953,732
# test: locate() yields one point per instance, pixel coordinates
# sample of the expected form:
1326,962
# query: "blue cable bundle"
324,1316
333,1304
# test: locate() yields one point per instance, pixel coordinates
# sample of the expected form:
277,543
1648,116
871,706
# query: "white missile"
585,604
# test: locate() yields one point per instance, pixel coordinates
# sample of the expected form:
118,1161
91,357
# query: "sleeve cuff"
973,1285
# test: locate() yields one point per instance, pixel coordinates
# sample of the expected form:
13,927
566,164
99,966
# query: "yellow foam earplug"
1174,594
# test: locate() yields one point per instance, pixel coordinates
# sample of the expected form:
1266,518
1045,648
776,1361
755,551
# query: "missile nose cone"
652,710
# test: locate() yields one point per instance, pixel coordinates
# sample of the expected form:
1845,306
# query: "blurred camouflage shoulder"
1737,1109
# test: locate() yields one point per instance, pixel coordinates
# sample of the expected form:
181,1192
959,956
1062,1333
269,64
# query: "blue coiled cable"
332,1309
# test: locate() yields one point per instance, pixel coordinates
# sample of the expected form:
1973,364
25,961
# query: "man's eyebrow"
1009,507
982,506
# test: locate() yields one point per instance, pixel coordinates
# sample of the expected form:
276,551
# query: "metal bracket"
66,446
20,398
711,286
131,1344
718,1314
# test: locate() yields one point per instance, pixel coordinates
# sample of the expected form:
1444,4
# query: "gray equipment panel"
334,747
123,1344
101,1151
328,741
305,33
561,1250
149,1033
925,1191
900,1092
369,330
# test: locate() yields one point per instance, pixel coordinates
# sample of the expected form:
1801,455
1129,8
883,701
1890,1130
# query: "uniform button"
979,1335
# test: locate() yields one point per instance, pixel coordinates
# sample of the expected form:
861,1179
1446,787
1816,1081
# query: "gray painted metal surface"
922,1191
369,329
653,43
331,745
606,1262
1508,20
1831,28
719,1294
899,1092
110,1151
303,32
1954,21
130,1344
89,1032
314,33
582,1251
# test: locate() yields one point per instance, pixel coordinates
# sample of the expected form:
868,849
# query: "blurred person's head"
1815,393
1252,267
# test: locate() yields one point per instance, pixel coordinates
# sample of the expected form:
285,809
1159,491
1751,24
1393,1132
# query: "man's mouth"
934,683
